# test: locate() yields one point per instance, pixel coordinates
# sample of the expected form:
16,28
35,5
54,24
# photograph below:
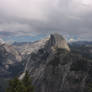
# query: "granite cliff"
10,58
55,68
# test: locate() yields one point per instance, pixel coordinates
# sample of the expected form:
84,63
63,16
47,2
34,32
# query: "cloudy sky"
28,20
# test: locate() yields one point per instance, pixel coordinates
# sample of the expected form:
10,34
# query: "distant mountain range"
87,43
9,58
29,47
54,65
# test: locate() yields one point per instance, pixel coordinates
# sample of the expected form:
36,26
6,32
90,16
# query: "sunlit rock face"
50,43
57,41
54,41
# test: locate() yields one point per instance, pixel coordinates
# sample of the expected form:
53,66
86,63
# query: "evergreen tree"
24,85
16,85
28,82
90,87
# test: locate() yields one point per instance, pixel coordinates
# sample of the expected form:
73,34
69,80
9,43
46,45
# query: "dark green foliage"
16,85
27,82
24,85
90,87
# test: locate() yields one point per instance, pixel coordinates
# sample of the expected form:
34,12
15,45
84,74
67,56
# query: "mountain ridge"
54,66
29,47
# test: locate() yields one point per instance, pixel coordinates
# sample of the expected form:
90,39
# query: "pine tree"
24,85
16,85
28,82
90,87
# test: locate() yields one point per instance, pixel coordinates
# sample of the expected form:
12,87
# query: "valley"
53,64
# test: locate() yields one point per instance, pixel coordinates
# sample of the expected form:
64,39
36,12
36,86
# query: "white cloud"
32,17
71,40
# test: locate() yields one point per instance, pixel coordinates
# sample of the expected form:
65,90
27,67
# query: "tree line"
24,85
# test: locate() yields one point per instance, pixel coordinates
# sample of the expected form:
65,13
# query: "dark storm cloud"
33,17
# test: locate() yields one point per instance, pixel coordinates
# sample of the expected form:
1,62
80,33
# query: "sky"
29,20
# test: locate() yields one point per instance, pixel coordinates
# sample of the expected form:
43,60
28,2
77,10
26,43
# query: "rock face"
9,59
50,43
57,41
29,47
60,70
52,65
61,74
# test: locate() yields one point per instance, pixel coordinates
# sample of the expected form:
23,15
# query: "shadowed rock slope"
10,60
55,68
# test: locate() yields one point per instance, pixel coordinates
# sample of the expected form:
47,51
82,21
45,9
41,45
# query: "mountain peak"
57,41
56,35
